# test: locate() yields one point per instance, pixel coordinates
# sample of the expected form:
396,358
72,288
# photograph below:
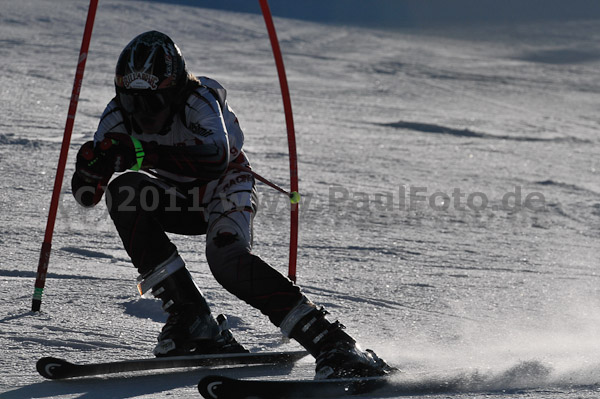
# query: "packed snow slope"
397,14
451,196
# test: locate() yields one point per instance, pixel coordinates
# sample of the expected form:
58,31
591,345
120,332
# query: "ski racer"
181,145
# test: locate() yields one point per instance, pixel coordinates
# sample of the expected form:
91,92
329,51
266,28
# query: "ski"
54,368
218,387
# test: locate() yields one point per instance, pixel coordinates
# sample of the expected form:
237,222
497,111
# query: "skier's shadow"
129,386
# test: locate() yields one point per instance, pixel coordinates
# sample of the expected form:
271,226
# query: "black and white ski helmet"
149,73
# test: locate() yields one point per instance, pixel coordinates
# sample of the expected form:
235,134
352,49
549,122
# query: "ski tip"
52,367
210,386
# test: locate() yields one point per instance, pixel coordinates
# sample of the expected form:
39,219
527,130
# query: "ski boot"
190,328
336,353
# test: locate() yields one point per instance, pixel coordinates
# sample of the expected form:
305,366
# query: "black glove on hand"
96,164
126,152
91,164
116,153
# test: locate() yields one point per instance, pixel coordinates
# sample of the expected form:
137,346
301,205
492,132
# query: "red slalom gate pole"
42,270
287,106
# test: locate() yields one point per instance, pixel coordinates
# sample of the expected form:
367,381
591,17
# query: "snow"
390,124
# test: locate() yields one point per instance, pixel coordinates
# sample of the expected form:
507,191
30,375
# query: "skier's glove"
116,153
125,152
91,164
92,172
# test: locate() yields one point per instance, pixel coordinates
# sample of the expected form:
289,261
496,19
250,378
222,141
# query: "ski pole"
44,260
294,196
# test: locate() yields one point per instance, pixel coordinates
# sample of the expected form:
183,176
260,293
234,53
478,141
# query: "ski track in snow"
468,301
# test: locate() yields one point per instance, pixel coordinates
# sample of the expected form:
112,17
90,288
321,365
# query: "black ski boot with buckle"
336,353
190,328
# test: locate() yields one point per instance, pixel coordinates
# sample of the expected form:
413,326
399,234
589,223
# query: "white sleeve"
111,121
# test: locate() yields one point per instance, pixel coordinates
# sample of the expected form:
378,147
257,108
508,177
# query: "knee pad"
226,251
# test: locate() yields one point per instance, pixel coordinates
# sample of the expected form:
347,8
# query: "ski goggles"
145,102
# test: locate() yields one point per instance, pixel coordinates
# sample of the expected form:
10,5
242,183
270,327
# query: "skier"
183,145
